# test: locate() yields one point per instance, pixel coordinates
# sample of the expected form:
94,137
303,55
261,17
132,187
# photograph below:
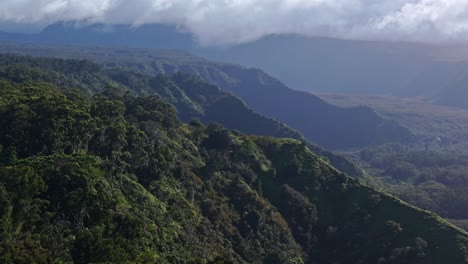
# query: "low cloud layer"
234,21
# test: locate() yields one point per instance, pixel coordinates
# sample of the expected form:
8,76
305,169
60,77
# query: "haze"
234,21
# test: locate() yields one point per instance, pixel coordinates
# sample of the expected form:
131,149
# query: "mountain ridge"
314,64
260,91
192,97
114,177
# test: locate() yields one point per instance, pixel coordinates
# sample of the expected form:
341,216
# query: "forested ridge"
90,172
192,97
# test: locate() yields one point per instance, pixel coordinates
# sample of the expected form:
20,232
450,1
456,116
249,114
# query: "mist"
216,22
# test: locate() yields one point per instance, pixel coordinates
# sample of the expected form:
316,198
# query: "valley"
427,120
432,171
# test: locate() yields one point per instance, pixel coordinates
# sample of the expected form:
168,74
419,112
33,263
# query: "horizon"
218,23
29,29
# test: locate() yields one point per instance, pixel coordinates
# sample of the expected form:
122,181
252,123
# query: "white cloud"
232,21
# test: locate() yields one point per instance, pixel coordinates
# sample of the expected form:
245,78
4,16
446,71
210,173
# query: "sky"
235,21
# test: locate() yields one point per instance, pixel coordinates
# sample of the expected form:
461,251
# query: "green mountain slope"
192,97
197,99
317,120
118,178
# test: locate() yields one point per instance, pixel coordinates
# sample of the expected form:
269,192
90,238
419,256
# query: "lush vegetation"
433,180
192,97
108,176
431,172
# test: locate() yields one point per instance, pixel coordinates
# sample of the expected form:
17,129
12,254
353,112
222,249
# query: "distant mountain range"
146,36
307,64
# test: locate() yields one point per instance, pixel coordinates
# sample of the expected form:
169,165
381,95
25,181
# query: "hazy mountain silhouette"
303,63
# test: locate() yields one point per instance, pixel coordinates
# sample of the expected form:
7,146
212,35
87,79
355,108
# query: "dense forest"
431,179
90,172
192,97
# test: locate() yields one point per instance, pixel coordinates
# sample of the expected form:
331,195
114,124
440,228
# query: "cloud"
234,21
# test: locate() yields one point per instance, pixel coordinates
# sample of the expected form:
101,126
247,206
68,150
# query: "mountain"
310,64
193,98
71,33
304,63
317,120
196,99
329,65
161,36
118,178
439,74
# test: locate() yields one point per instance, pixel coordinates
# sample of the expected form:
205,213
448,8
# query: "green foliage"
172,77
433,180
118,178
